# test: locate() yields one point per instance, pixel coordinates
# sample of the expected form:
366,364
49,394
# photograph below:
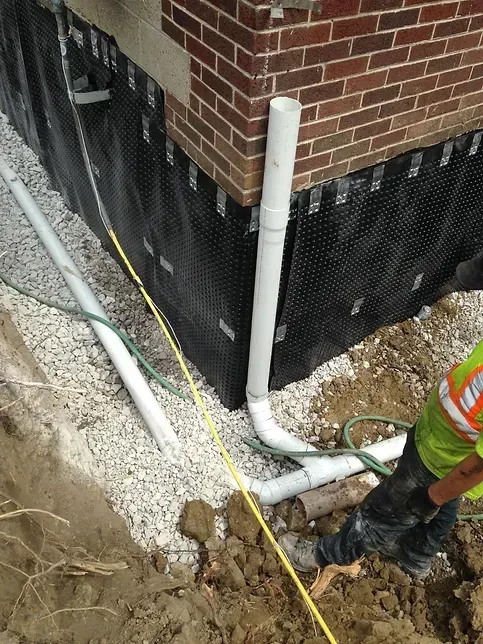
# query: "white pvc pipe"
283,126
137,386
324,469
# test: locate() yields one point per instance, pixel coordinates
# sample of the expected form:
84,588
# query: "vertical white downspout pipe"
137,386
283,127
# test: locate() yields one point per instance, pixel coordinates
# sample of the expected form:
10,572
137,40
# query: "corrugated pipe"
137,386
282,138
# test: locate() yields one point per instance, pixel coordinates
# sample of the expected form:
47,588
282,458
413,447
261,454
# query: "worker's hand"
422,505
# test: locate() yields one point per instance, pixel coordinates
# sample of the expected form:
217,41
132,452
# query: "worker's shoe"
300,552
394,551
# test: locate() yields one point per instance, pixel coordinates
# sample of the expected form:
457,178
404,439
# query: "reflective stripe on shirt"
459,421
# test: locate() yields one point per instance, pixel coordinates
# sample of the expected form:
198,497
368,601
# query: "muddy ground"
88,583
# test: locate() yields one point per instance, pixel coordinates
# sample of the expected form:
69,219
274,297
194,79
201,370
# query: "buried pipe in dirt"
137,386
341,495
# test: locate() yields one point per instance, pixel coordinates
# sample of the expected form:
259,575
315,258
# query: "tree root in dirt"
66,566
325,576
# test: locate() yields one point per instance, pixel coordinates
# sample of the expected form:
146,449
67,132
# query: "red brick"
346,68
414,35
383,95
201,126
437,12
301,181
470,8
380,5
442,64
443,108
311,34
471,100
339,106
459,43
215,121
248,147
308,114
462,116
318,129
285,61
336,9
176,105
313,162
419,86
199,158
195,67
359,26
409,118
217,158
397,19
218,43
326,53
199,51
384,141
476,23
365,161
330,172
397,107
166,7
401,148
372,129
195,103
248,85
436,96
374,42
388,58
217,84
251,64
350,151
454,76
303,150
176,135
451,27
299,78
203,11
477,72
230,153
252,107
427,50
186,22
365,82
174,32
229,6
473,57
250,128
422,129
328,143
188,131
406,72
203,91
253,41
321,92
358,118
467,88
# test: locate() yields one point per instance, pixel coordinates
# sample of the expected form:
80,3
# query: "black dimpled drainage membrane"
361,252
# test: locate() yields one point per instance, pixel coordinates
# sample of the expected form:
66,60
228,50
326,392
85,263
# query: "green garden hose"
365,457
92,316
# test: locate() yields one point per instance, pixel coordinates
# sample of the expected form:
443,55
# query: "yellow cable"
199,400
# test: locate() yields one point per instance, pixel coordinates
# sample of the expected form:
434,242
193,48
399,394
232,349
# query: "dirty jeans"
383,522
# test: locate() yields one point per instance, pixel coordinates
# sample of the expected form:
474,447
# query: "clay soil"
86,582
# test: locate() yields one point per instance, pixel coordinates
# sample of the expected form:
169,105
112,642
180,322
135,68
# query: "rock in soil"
241,521
198,521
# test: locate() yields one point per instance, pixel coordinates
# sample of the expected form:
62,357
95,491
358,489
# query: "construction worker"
410,514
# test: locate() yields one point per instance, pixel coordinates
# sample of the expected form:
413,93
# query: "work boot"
300,552
394,551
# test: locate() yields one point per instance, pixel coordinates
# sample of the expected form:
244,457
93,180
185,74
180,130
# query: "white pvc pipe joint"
137,386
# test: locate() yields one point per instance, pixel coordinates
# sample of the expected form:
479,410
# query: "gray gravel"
141,486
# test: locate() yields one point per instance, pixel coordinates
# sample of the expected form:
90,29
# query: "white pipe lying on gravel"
283,126
325,470
137,386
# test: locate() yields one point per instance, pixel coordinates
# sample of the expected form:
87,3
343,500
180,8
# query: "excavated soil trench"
86,582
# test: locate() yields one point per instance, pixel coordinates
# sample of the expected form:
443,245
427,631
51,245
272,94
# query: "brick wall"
375,77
